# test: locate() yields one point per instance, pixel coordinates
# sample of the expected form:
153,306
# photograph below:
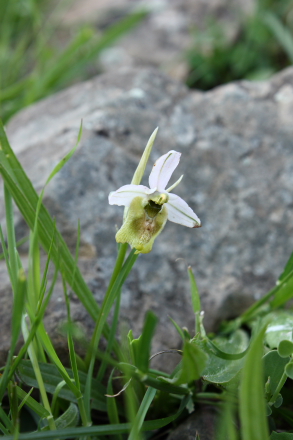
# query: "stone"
201,422
236,144
165,35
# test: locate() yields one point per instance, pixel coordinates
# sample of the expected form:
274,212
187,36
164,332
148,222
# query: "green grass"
262,47
245,370
33,63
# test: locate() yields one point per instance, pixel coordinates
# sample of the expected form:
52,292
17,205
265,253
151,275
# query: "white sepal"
180,212
125,194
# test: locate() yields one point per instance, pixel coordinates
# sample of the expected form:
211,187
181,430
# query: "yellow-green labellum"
144,222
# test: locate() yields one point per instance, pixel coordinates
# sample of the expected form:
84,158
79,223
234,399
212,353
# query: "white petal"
180,212
125,194
150,191
163,170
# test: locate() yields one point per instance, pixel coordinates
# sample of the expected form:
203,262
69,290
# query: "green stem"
13,262
38,374
247,315
109,299
118,265
111,338
278,389
117,268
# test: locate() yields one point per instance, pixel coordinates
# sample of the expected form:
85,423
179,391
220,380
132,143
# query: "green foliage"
219,370
274,367
245,370
263,46
253,419
279,328
33,63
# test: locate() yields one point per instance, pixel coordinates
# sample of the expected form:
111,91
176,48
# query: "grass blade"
144,406
252,406
26,199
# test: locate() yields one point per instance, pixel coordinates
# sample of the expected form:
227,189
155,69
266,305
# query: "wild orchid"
150,208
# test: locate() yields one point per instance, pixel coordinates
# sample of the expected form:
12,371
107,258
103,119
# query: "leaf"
252,406
52,378
273,366
281,33
279,328
121,428
195,298
288,268
289,370
285,348
219,370
191,366
112,405
284,291
281,436
142,346
193,363
26,198
69,418
141,413
32,403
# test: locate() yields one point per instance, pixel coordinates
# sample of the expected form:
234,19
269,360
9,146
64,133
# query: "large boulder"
236,144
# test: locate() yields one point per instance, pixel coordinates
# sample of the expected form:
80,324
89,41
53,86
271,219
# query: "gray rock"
236,144
163,37
202,423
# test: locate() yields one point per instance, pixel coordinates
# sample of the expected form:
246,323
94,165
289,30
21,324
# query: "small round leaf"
285,348
289,370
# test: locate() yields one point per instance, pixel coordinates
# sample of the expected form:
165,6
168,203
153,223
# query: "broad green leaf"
252,406
191,366
274,366
220,370
285,348
52,378
193,363
112,429
279,329
141,347
69,418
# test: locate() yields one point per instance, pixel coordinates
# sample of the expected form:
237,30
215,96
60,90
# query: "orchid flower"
149,208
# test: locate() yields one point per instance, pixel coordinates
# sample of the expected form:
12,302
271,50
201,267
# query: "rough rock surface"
202,423
164,36
237,162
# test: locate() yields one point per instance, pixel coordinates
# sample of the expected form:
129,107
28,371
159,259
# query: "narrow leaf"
253,418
